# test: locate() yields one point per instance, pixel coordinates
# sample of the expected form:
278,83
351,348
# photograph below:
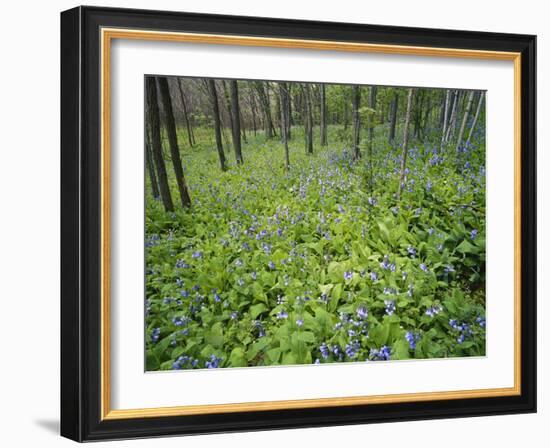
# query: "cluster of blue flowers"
382,354
185,362
213,362
412,338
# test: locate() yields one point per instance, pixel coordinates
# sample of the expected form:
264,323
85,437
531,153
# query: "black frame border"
81,223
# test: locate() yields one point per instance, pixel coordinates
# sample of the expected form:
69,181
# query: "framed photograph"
272,223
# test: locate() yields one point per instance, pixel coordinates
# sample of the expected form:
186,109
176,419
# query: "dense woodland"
303,223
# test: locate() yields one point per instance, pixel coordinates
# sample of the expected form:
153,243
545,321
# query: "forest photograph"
291,223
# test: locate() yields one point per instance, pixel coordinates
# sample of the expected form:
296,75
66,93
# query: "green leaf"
256,310
214,336
237,358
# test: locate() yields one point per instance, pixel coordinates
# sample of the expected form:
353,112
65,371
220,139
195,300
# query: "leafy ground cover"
320,263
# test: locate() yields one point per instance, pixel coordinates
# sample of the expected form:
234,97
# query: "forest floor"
320,263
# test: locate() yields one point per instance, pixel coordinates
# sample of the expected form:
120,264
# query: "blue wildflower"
348,275
390,307
323,348
213,363
412,339
362,312
155,334
434,310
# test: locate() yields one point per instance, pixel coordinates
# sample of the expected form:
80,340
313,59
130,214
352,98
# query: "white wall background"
29,223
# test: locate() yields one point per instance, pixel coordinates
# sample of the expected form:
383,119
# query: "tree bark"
308,119
464,120
476,116
156,143
452,121
283,96
405,143
266,108
151,165
173,141
356,103
323,116
227,103
190,134
393,118
446,117
217,124
236,122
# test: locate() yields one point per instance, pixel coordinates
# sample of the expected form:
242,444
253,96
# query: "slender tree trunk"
346,112
243,127
442,110
446,117
308,119
190,135
217,124
228,105
253,111
236,122
464,120
452,121
356,104
278,113
393,118
323,116
156,143
151,165
266,107
290,119
476,116
405,143
283,96
173,141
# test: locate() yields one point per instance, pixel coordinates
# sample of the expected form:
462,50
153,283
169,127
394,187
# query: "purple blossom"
362,312
434,310
390,307
348,275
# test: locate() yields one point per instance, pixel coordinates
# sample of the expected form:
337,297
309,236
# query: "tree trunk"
445,117
476,116
405,143
266,108
308,119
452,121
464,120
190,135
217,124
253,111
243,127
173,141
393,119
151,165
227,103
236,122
156,143
356,103
283,96
323,116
